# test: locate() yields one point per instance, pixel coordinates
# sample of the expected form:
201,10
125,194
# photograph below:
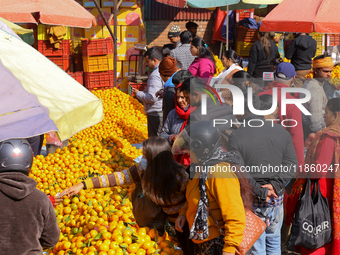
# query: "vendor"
173,36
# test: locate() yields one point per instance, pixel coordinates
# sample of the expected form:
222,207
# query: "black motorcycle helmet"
201,137
15,155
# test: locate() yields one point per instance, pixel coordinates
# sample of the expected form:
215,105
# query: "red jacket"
292,112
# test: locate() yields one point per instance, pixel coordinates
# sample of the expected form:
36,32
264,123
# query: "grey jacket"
150,101
316,106
172,125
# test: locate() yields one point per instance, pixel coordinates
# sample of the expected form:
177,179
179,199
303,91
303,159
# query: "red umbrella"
304,16
53,12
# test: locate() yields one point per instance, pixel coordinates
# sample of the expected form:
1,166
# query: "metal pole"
115,46
112,35
227,36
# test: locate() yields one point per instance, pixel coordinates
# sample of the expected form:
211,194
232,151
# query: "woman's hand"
180,221
72,190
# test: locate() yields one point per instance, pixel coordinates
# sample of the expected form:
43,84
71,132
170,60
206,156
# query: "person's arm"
296,132
324,156
206,69
51,232
260,193
315,108
289,166
252,59
290,52
166,127
127,176
227,193
154,84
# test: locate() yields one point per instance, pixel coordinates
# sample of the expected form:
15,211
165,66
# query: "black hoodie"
301,52
27,218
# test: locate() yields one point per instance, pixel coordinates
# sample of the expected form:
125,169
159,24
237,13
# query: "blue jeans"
269,242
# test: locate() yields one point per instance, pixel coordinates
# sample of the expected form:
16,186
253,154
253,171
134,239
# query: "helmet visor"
181,144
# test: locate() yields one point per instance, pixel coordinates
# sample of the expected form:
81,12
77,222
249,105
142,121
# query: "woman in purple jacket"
204,63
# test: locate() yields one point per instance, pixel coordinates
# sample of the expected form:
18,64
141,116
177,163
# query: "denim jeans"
269,242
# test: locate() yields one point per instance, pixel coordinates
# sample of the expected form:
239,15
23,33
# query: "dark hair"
204,51
153,53
160,180
266,102
334,105
275,61
325,55
265,42
186,37
190,24
193,84
180,76
256,102
243,80
234,57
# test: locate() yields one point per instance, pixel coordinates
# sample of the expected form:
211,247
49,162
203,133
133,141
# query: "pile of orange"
124,117
100,221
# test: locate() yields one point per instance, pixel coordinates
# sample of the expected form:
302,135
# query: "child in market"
156,169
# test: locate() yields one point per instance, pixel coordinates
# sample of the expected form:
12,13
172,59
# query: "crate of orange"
139,86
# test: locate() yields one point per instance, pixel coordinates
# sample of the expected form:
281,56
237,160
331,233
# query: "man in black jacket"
194,89
270,160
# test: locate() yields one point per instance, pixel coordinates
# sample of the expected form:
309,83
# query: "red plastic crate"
139,86
333,39
98,80
245,13
97,47
78,62
246,34
78,76
47,49
62,61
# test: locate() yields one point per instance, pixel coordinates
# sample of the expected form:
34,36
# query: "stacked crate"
320,43
130,31
242,14
98,62
245,38
61,56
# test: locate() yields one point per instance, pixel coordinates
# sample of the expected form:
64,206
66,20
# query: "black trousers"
187,244
155,124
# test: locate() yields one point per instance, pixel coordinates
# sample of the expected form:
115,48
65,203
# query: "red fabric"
292,112
325,149
183,158
52,200
304,16
219,21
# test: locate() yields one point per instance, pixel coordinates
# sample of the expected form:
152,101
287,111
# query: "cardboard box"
124,85
78,32
133,69
128,17
106,32
130,34
125,50
119,69
94,32
106,12
88,3
142,35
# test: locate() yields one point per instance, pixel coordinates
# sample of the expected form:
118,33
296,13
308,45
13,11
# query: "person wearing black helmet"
221,191
27,221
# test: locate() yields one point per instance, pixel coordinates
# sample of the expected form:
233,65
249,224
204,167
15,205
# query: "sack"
254,229
146,212
312,226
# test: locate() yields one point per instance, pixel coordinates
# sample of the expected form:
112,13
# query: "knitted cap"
174,31
168,66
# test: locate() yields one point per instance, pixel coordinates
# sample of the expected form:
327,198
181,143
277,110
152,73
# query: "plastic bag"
52,138
312,226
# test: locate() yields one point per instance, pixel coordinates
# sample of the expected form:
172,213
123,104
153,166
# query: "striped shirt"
132,175
183,55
